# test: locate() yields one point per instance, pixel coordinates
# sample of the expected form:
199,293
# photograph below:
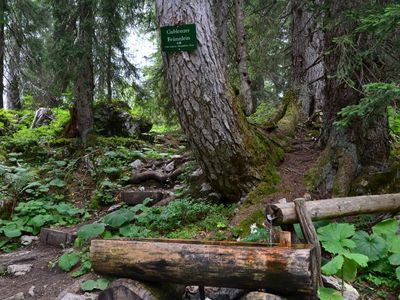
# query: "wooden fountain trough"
280,270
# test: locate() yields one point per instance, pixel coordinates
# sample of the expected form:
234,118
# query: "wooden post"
285,213
279,270
285,239
311,237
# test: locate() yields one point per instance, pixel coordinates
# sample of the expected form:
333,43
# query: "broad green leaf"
90,285
335,237
373,246
329,294
39,220
349,270
57,182
387,227
333,266
90,231
133,231
381,266
119,217
11,231
68,260
398,273
360,259
394,244
394,259
60,163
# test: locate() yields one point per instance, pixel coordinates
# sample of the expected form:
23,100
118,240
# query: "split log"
280,270
154,175
59,238
285,213
137,197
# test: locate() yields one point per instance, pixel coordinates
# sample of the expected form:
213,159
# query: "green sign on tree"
178,38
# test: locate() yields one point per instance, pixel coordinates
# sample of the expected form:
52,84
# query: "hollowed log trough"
280,270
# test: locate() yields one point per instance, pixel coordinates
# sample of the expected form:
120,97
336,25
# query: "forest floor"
49,281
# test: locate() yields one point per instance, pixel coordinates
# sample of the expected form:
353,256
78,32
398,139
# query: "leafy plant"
98,284
68,260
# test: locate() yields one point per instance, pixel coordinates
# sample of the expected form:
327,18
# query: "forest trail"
299,158
300,155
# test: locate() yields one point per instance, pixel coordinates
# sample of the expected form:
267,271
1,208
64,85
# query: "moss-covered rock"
114,119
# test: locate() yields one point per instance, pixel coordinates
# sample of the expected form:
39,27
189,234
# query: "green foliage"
377,97
68,260
329,294
377,254
336,239
91,230
257,234
98,284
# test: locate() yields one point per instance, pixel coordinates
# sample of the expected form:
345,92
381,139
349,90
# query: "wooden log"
56,237
136,197
285,213
280,270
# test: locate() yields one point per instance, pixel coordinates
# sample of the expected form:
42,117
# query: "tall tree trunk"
360,146
308,78
84,83
2,48
221,139
13,89
246,96
109,71
221,15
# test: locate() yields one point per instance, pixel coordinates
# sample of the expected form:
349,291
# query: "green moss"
313,177
243,229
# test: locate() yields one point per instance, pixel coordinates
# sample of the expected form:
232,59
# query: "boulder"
114,119
19,270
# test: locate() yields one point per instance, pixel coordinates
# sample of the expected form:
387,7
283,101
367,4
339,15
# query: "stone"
196,174
137,164
19,270
122,289
261,296
26,240
213,197
214,293
136,197
115,207
114,119
71,296
206,188
350,293
170,167
31,291
19,296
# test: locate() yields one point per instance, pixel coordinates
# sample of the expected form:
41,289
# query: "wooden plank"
311,237
285,213
280,270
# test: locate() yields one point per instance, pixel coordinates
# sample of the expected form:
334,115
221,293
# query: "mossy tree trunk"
2,48
362,145
308,70
228,150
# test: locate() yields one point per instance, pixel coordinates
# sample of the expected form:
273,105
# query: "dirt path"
302,154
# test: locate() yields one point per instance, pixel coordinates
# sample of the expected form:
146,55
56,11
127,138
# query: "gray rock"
261,296
170,167
214,196
26,240
206,188
350,293
197,173
114,207
213,293
31,291
71,296
137,164
19,296
19,270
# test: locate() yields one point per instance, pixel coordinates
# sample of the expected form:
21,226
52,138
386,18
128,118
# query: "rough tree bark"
248,101
13,88
84,82
307,57
229,152
221,12
2,48
361,146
